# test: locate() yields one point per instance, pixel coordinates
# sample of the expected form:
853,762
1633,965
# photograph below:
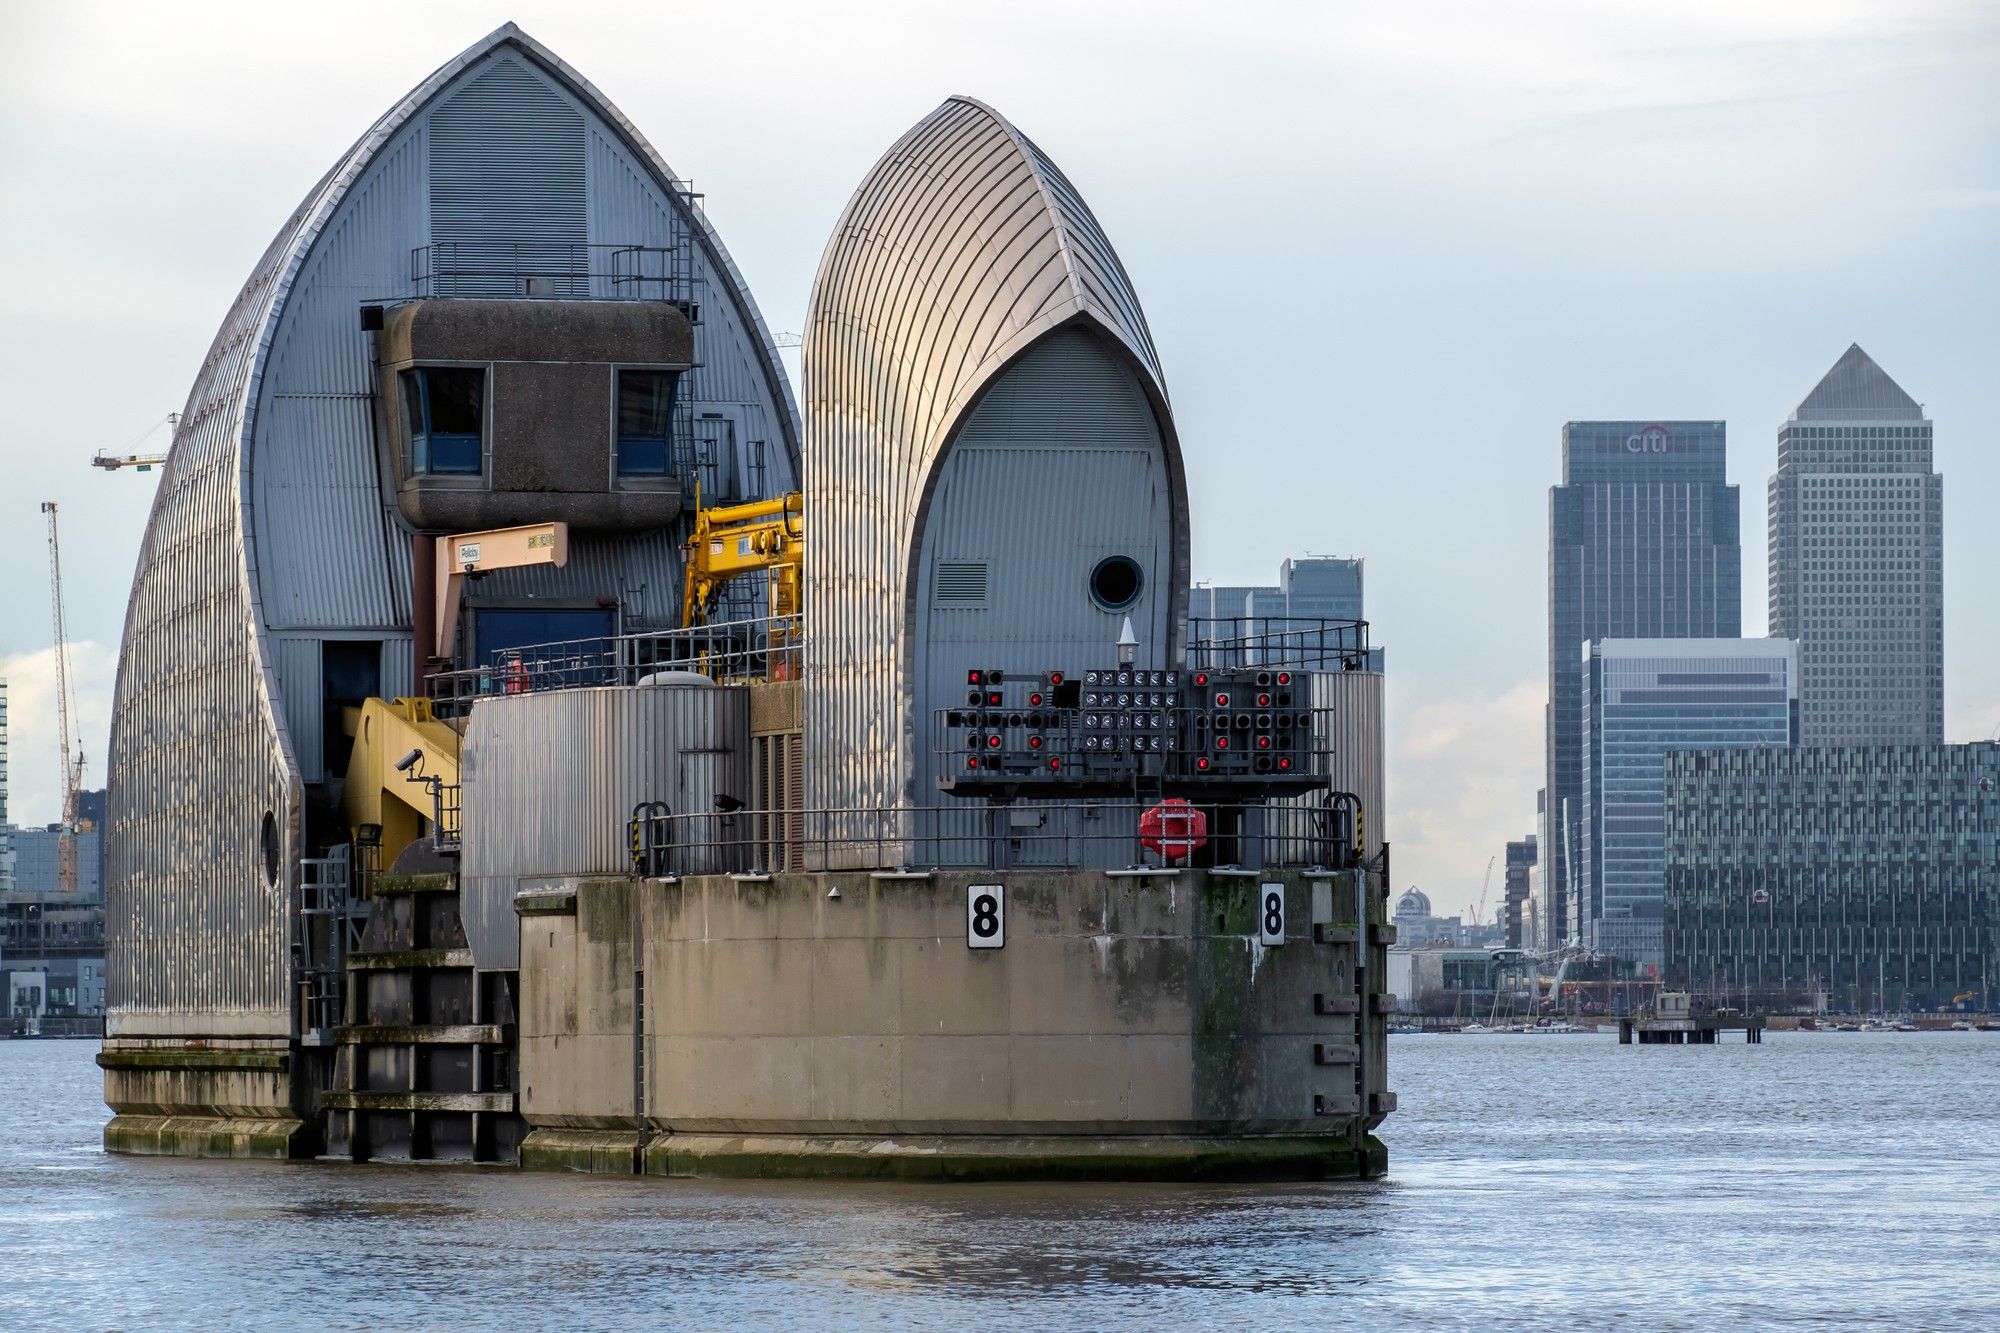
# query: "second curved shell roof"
964,245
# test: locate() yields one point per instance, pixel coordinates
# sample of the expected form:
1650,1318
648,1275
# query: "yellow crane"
140,462
730,541
72,769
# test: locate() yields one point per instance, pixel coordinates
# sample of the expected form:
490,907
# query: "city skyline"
1464,174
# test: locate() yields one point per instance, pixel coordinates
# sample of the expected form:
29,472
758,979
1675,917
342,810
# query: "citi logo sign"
1651,440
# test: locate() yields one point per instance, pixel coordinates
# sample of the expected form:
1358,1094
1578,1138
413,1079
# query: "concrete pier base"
1162,1026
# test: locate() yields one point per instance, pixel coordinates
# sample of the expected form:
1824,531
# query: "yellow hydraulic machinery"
402,773
730,541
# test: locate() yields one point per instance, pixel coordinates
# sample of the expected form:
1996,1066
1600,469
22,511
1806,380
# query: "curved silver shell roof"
206,813
964,247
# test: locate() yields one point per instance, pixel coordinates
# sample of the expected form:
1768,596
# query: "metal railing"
1050,835
1302,643
765,648
561,270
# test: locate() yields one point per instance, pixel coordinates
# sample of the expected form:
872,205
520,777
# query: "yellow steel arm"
384,731
734,540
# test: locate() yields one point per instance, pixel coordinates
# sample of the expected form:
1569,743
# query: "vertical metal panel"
1058,467
1348,722
297,661
550,779
961,250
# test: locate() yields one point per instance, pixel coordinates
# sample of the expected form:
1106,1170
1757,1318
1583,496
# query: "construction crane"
72,770
140,462
1485,887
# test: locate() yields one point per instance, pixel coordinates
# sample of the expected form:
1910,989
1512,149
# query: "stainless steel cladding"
964,257
1347,720
274,578
550,779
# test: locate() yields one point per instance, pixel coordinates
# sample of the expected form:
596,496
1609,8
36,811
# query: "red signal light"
972,761
1263,742
1035,699
1201,764
1222,701
1034,742
993,699
992,742
975,678
1284,677
1055,765
1284,762
1201,678
1055,677
1222,742
1263,701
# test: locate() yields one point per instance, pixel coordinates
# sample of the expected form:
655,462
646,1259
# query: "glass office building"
1643,544
1857,560
1641,699
1854,877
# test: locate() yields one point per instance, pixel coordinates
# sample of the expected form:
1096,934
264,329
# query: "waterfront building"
1518,885
1643,544
1854,877
1418,928
1641,699
1857,559
395,874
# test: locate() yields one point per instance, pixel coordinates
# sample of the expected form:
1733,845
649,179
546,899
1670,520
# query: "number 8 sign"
985,916
1271,915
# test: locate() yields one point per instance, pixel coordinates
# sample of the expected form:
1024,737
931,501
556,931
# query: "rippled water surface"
1847,1179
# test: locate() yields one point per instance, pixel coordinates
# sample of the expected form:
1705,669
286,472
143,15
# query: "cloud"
1463,771
34,777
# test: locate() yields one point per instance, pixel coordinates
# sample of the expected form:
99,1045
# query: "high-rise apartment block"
1857,560
1643,544
6,850
1641,699
1520,874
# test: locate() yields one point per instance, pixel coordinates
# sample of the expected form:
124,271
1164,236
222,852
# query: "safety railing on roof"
1321,832
1303,643
764,648
561,270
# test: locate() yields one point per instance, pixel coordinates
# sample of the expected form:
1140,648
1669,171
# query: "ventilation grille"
959,583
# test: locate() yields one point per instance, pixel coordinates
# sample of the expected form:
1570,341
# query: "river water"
1844,1179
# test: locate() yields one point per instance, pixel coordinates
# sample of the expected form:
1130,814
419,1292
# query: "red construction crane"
72,771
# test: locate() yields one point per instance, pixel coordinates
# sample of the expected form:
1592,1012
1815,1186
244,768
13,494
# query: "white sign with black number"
1271,915
985,916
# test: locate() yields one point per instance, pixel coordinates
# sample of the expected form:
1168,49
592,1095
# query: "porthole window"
1115,583
270,841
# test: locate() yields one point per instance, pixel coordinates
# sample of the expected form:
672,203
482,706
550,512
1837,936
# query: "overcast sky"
1386,251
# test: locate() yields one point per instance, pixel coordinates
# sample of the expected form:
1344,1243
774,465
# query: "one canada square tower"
1857,560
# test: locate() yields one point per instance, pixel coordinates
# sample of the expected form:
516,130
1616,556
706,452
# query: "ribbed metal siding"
955,256
197,934
550,779
507,179
1059,467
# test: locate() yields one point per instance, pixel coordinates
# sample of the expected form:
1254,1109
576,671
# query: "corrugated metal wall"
1060,466
269,515
959,252
550,780
202,789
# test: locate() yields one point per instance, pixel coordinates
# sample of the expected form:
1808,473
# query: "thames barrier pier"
539,741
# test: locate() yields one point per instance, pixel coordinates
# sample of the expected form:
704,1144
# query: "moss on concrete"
181,1057
204,1136
597,1151
1019,1158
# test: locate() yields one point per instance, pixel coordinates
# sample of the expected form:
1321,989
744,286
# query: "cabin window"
645,421
445,408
